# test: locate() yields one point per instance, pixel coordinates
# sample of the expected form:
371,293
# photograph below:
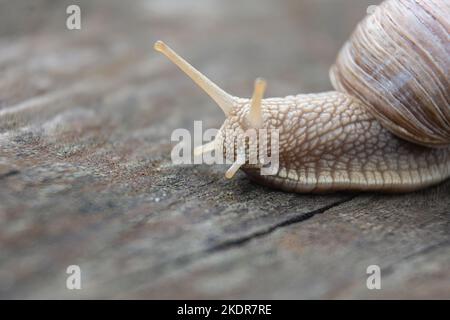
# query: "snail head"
239,139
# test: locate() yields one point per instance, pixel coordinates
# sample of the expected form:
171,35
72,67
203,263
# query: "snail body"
386,128
329,142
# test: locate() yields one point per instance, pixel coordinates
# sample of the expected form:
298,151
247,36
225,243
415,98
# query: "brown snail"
385,128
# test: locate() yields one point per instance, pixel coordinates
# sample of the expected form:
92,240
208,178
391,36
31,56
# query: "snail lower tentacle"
386,128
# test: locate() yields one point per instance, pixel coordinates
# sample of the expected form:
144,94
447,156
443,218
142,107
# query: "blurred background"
86,177
291,43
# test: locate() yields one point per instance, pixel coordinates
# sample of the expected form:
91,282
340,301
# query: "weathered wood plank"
86,176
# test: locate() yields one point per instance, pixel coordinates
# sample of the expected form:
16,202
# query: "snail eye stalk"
222,98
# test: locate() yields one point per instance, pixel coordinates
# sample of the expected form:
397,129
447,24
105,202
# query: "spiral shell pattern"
397,62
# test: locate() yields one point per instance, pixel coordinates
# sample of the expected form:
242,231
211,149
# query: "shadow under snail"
385,128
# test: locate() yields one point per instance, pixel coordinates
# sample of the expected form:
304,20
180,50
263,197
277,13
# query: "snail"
385,128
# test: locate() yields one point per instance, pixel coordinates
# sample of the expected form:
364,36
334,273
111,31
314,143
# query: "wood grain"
86,176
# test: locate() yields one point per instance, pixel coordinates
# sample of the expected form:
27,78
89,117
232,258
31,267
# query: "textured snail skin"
386,128
329,142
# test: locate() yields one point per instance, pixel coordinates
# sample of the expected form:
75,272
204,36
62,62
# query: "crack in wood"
186,259
293,220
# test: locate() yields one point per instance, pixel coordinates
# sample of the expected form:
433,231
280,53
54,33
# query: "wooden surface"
86,176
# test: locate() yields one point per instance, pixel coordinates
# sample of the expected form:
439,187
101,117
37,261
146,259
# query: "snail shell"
397,62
